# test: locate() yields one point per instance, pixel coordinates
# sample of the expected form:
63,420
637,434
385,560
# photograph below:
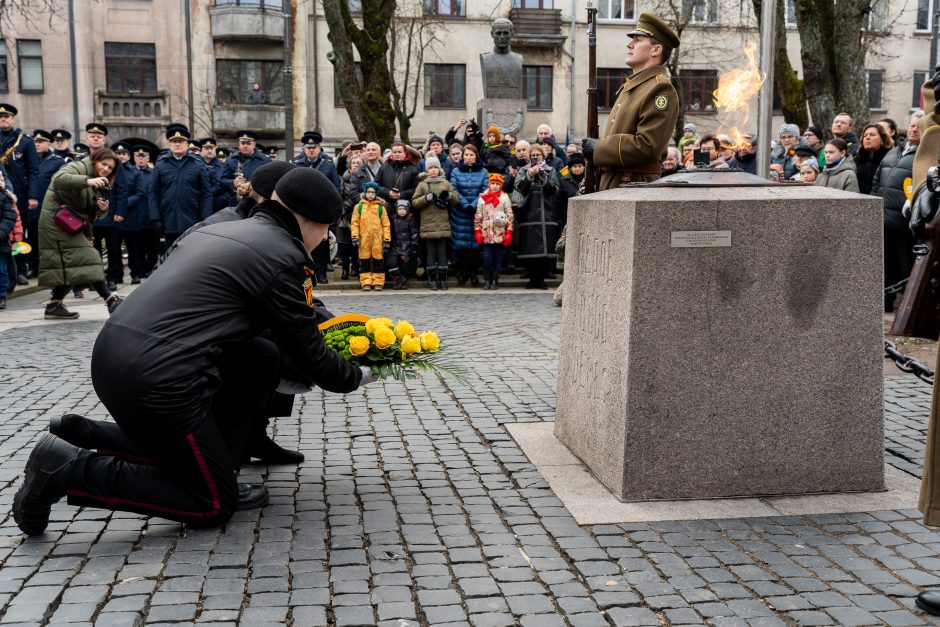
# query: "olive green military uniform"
642,120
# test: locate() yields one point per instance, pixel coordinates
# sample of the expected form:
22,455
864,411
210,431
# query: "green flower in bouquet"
396,351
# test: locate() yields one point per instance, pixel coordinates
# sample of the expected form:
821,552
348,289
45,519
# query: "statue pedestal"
724,342
508,114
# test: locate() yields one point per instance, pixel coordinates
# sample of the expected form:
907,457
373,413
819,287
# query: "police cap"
247,136
60,133
208,142
651,26
311,138
7,109
96,127
177,131
222,152
120,146
195,144
42,135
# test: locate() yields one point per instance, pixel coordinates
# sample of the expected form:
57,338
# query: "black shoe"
442,279
344,276
474,280
929,601
113,302
404,285
269,452
541,284
135,280
252,496
57,311
21,279
3,302
32,274
112,286
44,483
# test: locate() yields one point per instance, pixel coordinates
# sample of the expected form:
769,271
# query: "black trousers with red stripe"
188,475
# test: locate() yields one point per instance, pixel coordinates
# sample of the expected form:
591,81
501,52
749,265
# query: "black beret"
96,127
61,133
308,192
43,135
264,179
7,109
575,159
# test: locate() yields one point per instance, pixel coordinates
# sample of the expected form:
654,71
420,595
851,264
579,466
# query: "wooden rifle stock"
590,174
918,315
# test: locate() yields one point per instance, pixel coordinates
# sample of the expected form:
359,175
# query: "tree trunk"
368,105
814,18
849,50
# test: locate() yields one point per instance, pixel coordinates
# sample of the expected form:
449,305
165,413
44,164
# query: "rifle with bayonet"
593,130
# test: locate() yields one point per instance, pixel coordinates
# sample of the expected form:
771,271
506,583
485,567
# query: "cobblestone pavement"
415,507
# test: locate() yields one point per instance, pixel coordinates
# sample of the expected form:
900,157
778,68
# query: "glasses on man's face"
509,142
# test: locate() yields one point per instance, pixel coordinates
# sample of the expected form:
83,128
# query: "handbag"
67,218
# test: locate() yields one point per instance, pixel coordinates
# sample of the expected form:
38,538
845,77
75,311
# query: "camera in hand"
701,158
104,193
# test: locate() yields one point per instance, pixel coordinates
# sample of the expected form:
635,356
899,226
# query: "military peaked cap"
42,135
96,127
7,109
651,26
311,138
60,133
247,136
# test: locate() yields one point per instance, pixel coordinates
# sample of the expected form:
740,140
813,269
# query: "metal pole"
765,100
189,65
933,41
288,85
574,65
75,128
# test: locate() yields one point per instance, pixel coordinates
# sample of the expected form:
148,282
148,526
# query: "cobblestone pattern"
415,507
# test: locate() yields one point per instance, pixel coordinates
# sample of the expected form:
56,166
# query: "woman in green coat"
70,259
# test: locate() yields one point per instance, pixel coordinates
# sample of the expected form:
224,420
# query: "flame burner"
715,178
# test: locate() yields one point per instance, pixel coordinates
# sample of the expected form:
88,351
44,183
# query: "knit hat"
308,192
436,138
401,202
575,159
811,163
815,130
688,127
369,184
495,131
496,176
431,162
264,179
789,129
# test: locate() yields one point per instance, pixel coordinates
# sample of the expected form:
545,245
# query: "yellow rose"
410,345
358,345
372,324
384,337
403,328
385,321
430,342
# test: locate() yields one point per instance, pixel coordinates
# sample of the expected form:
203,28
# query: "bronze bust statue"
502,68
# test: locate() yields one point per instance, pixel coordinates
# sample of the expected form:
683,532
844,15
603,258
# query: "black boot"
55,310
252,496
432,278
269,452
44,483
929,601
345,275
71,428
442,279
495,280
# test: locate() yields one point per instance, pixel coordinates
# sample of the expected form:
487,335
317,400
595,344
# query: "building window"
875,80
445,8
924,14
698,88
533,4
445,85
130,68
29,53
789,13
338,94
4,76
920,77
616,9
235,81
537,86
701,11
609,81
877,18
260,4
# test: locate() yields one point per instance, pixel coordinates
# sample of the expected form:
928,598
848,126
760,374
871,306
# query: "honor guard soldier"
61,139
182,379
18,156
644,116
241,165
180,195
49,164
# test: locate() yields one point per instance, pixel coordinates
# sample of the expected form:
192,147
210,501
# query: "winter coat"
220,197
469,182
434,219
866,165
8,217
852,140
180,195
477,140
356,180
370,225
889,179
401,175
494,222
841,177
22,166
249,164
537,219
406,235
747,163
784,158
324,165
137,215
69,259
568,188
49,164
496,159
118,202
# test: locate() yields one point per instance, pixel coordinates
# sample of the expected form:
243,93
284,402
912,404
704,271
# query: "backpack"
359,207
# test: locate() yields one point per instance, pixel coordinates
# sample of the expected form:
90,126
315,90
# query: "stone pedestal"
508,114
724,341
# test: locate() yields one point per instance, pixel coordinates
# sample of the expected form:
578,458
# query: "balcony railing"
243,19
132,106
229,118
537,27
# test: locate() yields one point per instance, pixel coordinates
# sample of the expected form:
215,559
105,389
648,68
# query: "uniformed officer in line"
80,151
136,212
61,139
222,153
49,164
312,156
271,152
18,157
180,366
210,158
643,119
180,195
147,236
240,166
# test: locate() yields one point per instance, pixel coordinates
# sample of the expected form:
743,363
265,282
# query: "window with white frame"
925,9
789,13
875,82
701,11
616,9
920,77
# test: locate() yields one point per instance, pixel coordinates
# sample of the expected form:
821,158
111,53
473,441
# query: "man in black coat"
240,166
180,193
183,368
49,164
18,156
312,156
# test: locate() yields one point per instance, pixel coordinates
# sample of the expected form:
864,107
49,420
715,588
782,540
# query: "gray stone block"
749,369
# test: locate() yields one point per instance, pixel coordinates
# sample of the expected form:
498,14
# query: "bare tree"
14,13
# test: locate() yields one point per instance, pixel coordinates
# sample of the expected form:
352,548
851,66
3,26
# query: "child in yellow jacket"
371,233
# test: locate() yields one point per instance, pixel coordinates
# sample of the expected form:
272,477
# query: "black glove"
157,226
444,195
588,144
386,246
440,202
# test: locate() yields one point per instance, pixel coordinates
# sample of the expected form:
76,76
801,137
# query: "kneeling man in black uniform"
157,365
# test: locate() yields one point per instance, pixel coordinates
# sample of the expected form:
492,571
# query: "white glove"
429,198
293,387
367,376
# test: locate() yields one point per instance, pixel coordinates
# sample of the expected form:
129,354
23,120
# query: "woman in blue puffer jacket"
469,180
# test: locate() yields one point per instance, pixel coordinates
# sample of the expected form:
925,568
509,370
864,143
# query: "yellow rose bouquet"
393,350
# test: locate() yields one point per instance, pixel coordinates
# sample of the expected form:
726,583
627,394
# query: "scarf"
493,145
833,166
491,198
434,179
